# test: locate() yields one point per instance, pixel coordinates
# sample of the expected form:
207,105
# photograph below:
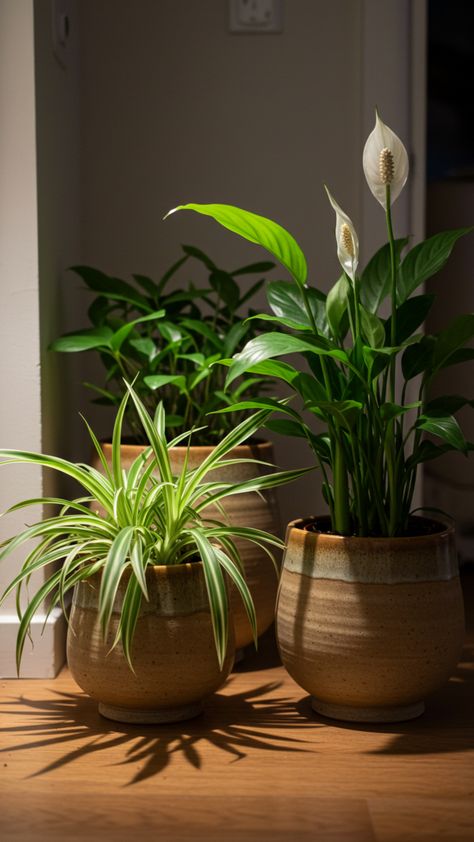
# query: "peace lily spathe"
385,163
346,239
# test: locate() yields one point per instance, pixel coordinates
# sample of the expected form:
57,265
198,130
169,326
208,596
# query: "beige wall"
176,109
39,236
20,416
57,137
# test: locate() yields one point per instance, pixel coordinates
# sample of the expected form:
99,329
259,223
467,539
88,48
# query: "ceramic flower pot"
242,510
173,653
369,626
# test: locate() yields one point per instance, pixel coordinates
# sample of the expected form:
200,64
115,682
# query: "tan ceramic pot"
369,626
242,510
173,653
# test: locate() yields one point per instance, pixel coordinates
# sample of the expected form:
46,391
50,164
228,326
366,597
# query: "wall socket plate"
62,14
256,16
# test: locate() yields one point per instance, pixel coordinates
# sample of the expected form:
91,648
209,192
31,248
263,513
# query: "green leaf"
463,355
425,259
252,291
119,337
257,229
286,301
226,288
254,268
234,337
418,358
426,451
270,345
204,330
259,403
147,284
109,287
310,389
242,587
389,411
345,413
445,427
192,251
409,316
286,427
216,591
372,328
145,346
114,568
337,303
448,404
83,340
460,331
156,381
375,282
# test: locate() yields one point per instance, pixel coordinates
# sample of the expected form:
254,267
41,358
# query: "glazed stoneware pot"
369,626
242,510
173,652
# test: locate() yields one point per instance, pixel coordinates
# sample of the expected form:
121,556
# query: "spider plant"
151,518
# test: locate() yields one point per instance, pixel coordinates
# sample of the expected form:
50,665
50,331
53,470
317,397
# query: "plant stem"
393,276
342,519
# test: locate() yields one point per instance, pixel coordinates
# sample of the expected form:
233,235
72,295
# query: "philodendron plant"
167,341
151,518
357,365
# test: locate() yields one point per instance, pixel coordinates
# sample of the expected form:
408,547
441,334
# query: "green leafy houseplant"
149,520
169,341
357,365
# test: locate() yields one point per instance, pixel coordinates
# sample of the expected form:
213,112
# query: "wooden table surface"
257,765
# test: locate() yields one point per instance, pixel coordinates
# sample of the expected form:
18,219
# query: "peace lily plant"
357,364
151,517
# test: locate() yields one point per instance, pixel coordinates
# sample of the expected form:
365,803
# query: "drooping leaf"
260,230
425,259
83,340
389,411
271,345
375,282
454,337
113,288
418,358
286,301
443,426
409,316
448,404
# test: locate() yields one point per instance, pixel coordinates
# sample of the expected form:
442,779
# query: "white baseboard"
45,657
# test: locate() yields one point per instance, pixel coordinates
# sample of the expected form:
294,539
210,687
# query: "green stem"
342,521
393,277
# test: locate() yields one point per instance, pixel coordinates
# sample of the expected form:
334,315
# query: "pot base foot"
152,716
376,714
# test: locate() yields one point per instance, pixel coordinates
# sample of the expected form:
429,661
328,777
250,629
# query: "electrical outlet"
256,16
61,20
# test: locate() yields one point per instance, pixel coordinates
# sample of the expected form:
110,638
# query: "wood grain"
257,765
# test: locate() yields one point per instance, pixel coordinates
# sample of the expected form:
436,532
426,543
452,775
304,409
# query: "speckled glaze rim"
264,445
191,596
425,558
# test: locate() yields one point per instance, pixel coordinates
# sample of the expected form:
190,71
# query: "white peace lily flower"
385,161
346,239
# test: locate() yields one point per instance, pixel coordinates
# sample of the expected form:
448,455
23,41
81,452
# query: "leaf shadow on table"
446,726
235,724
